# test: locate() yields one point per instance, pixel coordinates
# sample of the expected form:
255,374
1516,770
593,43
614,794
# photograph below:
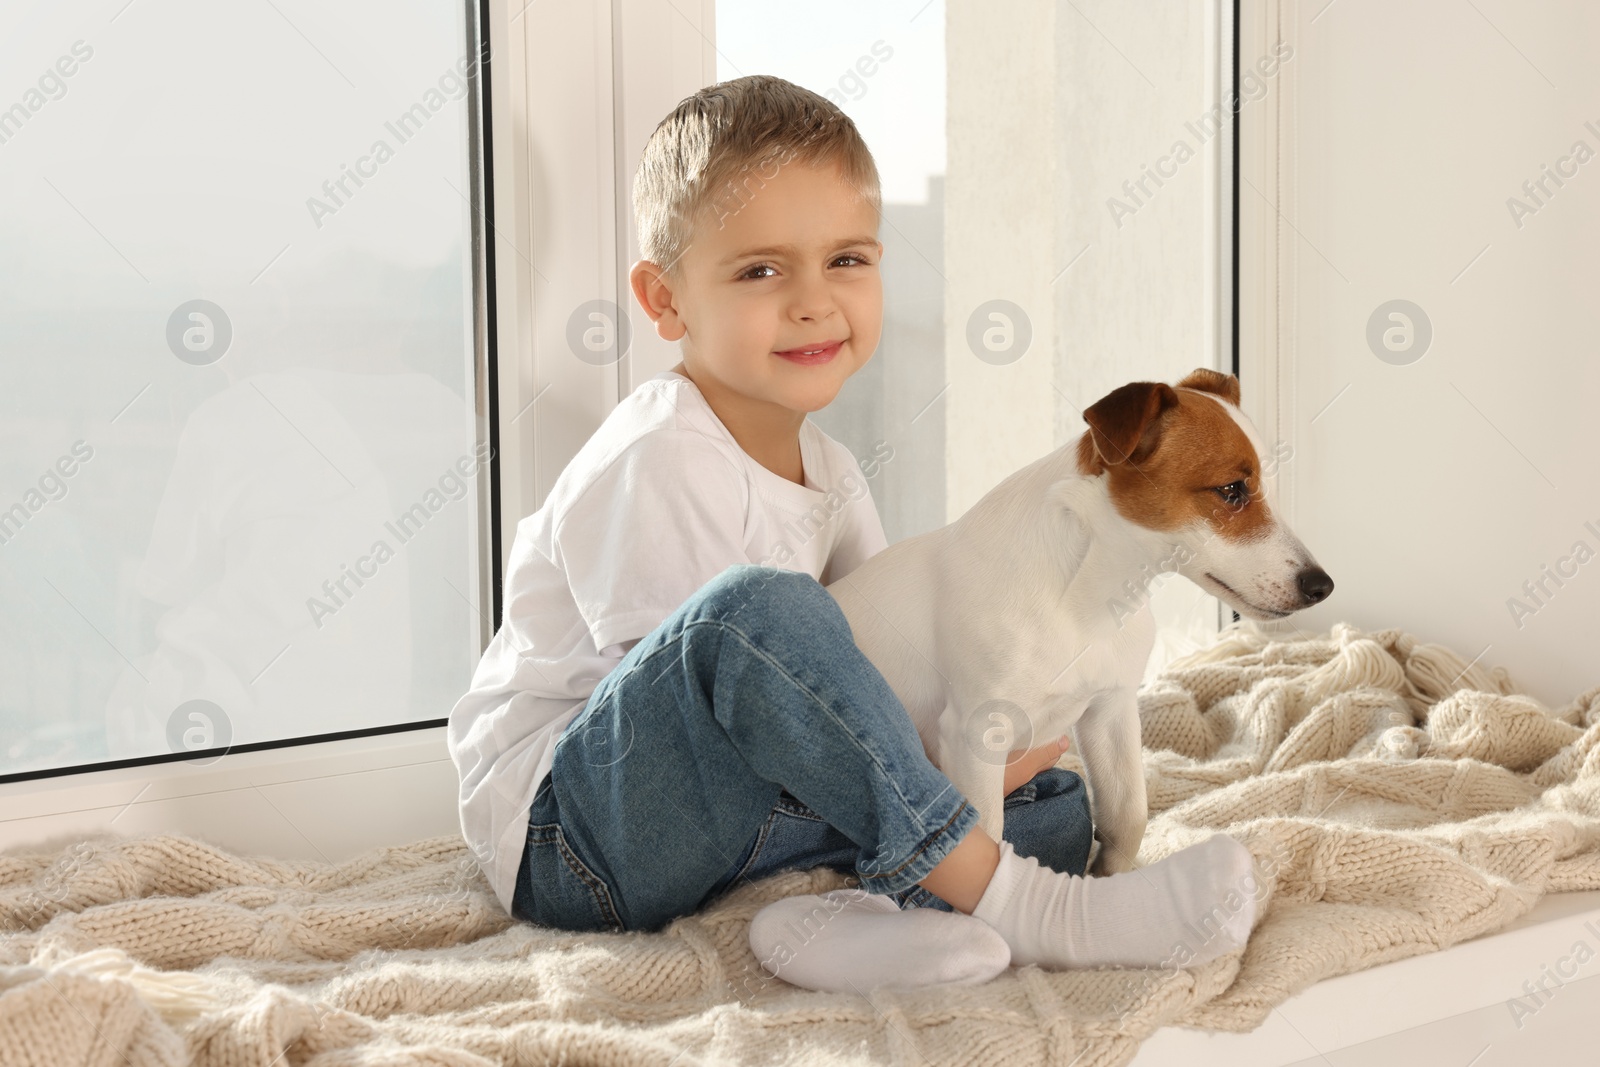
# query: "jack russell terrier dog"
1027,616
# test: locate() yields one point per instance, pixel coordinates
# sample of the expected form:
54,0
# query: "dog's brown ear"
1124,425
1213,381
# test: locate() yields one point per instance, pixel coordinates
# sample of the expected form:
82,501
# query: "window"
193,496
243,484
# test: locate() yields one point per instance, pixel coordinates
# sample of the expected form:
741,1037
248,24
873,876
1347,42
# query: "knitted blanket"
1397,799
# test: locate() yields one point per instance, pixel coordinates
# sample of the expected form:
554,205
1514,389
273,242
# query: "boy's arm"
666,516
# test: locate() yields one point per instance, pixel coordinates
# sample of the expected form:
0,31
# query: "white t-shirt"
657,503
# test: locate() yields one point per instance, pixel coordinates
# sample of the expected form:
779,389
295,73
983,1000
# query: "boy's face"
791,263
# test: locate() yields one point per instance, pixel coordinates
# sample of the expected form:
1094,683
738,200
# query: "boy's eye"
748,272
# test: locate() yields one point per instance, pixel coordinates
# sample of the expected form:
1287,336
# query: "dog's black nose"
1315,585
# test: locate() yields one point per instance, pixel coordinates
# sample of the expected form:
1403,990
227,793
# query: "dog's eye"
1234,494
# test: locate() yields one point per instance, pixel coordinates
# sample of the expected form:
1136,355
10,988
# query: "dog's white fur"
1003,630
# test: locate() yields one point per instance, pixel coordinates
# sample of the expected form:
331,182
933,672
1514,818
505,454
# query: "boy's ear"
653,289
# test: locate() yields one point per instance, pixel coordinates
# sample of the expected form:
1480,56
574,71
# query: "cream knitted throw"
1400,800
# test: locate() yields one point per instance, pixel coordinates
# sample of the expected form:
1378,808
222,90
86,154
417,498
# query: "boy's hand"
1023,763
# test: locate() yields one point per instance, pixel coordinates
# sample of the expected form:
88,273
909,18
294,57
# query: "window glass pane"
884,65
238,480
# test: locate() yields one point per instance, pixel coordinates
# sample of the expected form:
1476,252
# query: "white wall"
1432,490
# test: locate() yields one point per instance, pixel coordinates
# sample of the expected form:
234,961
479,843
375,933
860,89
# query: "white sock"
850,940
1184,910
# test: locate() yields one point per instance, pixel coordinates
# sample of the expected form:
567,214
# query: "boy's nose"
813,301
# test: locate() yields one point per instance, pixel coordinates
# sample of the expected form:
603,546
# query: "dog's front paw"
1111,859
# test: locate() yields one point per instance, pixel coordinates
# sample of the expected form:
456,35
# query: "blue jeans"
744,735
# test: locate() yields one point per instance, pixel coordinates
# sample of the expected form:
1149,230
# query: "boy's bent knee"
1053,781
744,588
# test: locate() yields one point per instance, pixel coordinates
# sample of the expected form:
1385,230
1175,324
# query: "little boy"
674,704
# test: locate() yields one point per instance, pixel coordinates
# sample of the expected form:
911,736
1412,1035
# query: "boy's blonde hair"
721,145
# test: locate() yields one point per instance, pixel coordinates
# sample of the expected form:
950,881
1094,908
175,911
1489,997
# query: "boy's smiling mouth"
820,352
